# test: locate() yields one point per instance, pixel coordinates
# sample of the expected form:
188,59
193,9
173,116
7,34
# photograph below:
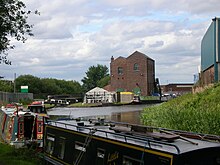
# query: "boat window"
61,147
131,161
21,128
50,140
40,127
33,110
79,146
100,153
39,110
100,156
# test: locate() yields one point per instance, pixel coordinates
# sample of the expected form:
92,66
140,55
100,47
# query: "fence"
14,97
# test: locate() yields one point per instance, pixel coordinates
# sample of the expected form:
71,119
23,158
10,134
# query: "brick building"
136,73
177,88
210,56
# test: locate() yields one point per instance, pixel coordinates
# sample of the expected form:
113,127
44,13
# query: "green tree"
34,83
50,86
73,87
103,82
54,86
41,88
13,23
93,76
6,86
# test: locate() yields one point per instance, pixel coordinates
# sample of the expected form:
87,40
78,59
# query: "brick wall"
208,76
177,88
131,79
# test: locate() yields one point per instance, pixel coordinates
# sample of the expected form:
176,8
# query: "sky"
72,35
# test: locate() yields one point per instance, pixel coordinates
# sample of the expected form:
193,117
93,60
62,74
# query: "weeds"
10,156
192,112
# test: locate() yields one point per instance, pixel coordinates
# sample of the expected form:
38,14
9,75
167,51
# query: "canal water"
124,113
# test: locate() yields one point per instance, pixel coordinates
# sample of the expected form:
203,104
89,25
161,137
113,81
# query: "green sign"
24,89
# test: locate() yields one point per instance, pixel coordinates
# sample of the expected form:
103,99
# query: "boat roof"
171,143
13,112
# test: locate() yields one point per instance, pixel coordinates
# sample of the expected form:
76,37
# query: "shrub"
191,112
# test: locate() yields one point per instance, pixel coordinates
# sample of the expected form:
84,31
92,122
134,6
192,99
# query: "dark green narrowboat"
72,142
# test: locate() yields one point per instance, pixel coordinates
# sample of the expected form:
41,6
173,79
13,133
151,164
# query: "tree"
93,76
13,23
41,88
6,86
103,82
34,83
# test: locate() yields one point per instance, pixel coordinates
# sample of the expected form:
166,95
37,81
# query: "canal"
125,113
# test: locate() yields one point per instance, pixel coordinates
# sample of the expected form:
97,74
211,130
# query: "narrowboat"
21,127
37,107
102,142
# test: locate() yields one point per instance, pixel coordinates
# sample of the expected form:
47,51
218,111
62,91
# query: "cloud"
70,36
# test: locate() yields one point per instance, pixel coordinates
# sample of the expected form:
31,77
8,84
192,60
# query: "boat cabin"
37,107
109,143
20,127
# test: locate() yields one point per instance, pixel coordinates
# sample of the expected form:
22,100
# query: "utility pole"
14,82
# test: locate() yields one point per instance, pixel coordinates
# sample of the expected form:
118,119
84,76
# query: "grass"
23,156
191,112
84,104
150,98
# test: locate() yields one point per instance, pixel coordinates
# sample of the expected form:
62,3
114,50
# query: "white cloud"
70,36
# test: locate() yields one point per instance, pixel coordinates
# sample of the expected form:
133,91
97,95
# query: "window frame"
120,70
136,67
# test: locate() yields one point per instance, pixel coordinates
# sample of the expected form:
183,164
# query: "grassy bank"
192,112
23,156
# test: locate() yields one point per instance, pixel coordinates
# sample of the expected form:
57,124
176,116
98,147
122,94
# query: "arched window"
136,67
120,70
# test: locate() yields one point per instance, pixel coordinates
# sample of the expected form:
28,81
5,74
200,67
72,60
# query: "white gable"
97,90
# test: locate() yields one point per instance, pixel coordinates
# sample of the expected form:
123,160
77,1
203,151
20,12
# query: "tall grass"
23,156
191,112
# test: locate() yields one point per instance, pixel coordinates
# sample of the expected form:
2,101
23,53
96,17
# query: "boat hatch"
29,127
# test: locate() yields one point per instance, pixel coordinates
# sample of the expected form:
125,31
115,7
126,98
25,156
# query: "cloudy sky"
72,35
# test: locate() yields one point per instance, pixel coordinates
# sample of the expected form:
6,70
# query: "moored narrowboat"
21,127
108,143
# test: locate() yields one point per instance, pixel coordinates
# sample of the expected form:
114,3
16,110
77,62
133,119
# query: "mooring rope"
86,143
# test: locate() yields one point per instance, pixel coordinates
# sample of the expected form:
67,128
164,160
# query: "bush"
192,112
10,156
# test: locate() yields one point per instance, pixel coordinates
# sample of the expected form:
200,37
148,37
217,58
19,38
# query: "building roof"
97,90
134,53
139,53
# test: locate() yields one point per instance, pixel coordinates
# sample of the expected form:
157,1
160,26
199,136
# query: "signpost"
24,89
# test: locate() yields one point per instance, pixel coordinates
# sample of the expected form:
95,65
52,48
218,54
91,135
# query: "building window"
120,70
136,67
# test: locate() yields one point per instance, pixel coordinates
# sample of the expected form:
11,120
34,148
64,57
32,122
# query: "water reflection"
128,113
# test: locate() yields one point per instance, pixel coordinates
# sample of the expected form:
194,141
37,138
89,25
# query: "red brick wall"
130,79
118,80
177,88
150,75
208,76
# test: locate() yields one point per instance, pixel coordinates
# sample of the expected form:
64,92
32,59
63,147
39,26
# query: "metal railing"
124,137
